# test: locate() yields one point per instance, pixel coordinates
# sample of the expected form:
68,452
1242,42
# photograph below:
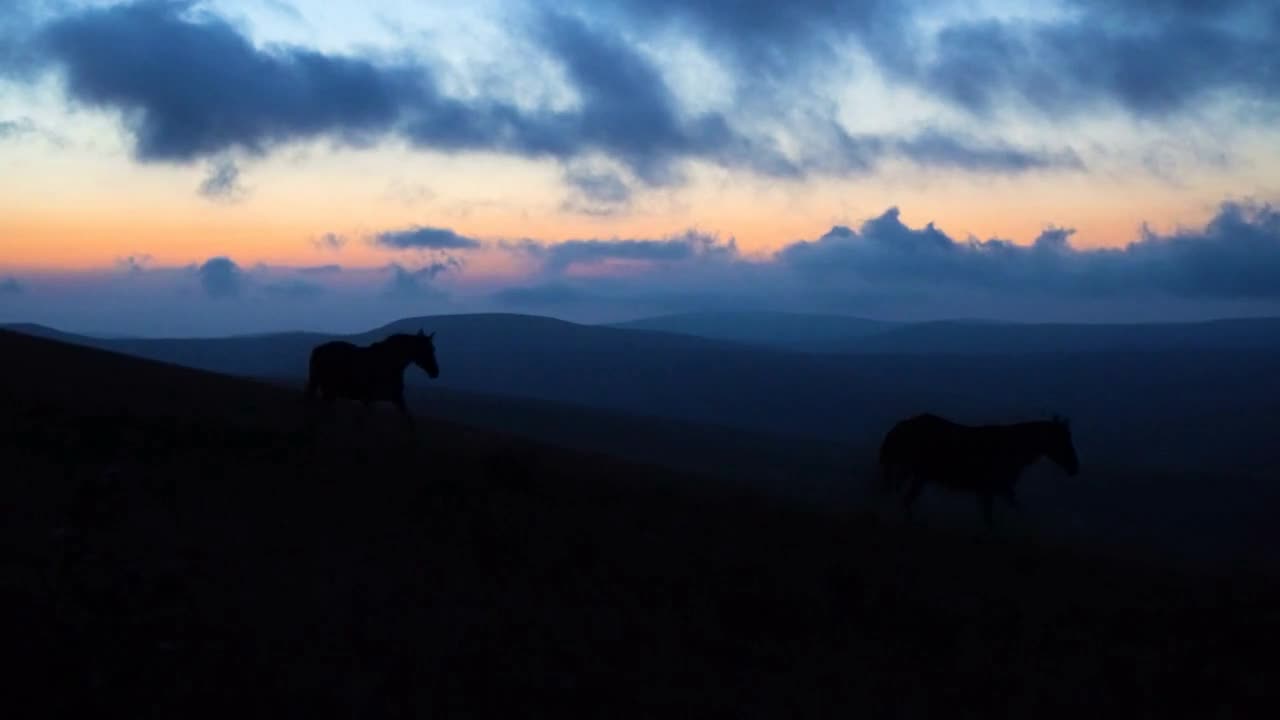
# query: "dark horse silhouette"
983,459
371,374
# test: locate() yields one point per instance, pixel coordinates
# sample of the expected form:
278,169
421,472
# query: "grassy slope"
242,566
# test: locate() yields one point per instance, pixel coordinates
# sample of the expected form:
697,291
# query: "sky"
222,166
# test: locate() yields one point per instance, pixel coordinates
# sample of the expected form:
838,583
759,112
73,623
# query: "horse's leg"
985,500
404,410
913,491
891,477
1008,494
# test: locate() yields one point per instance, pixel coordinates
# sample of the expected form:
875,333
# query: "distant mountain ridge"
791,331
1146,407
847,334
986,338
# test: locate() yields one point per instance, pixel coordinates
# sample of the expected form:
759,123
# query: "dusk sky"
192,168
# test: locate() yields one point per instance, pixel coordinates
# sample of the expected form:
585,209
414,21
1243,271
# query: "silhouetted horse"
371,374
983,459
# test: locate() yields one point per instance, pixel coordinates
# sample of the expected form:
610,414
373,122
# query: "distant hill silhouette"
791,331
1141,407
992,338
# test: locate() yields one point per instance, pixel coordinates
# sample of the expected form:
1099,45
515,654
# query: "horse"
984,459
370,374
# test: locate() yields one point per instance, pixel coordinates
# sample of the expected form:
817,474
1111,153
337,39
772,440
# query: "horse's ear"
432,336
419,332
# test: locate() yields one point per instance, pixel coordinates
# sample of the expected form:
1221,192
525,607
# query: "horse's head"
1059,447
424,353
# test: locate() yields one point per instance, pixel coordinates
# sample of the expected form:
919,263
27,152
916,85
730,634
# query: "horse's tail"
890,459
313,377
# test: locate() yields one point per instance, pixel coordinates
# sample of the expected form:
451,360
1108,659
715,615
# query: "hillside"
175,540
1167,411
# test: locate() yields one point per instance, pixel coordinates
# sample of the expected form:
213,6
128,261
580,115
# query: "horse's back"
913,434
332,361
346,370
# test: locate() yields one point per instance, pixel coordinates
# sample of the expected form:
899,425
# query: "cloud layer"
884,267
251,99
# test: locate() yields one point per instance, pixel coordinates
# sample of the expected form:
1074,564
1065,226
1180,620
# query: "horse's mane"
393,339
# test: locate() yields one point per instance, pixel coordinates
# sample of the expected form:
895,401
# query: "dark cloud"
773,39
223,182
10,286
1152,63
596,192
420,237
886,266
221,278
251,99
691,246
937,149
1236,256
231,95
320,269
406,283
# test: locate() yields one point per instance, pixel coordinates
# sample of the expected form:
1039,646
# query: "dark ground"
175,545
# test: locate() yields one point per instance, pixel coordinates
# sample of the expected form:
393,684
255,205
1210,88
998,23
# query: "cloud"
424,238
223,182
774,40
235,96
886,267
597,192
16,128
1236,256
1151,63
221,278
406,283
561,256
330,241
320,269
252,99
881,267
11,286
933,148
134,263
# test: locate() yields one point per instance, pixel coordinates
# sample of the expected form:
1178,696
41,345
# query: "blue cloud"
235,95
1235,256
252,99
11,286
223,182
16,128
597,192
420,237
221,278
558,257
1149,60
406,283
320,269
